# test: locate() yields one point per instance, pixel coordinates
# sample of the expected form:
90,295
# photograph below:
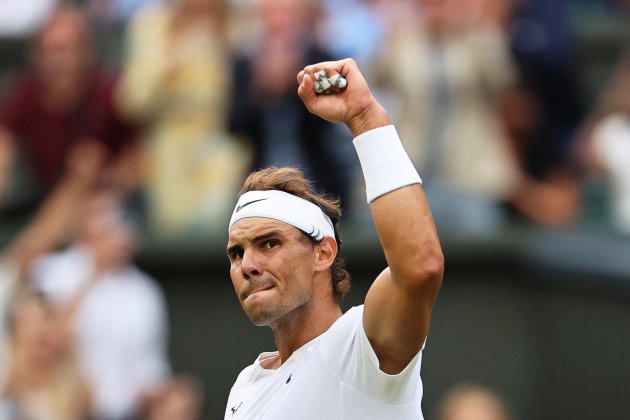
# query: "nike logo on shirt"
235,408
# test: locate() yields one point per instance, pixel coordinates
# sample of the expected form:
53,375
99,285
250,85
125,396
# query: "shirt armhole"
370,354
371,381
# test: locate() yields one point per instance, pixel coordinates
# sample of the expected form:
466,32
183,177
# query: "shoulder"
247,374
244,377
23,84
22,93
347,351
341,336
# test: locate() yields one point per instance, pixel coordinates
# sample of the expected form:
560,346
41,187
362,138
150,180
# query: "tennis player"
283,248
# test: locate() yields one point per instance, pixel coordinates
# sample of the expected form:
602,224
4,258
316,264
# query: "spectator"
120,323
65,100
605,146
176,83
39,375
43,379
542,45
449,68
267,111
544,112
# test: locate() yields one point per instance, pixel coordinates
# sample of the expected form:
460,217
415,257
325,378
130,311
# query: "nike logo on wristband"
239,208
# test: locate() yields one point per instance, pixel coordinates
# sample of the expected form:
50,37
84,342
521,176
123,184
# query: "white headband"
284,207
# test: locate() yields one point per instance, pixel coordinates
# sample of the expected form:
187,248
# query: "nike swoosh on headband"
239,208
284,207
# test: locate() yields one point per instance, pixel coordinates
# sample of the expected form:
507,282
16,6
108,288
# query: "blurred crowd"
184,97
144,116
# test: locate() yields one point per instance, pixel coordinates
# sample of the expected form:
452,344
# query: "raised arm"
399,303
57,216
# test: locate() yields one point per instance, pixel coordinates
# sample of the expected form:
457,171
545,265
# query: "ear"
325,253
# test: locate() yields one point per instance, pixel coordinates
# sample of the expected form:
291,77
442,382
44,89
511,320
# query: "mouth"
257,290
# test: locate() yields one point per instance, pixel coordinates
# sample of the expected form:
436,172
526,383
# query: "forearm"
52,221
407,233
400,210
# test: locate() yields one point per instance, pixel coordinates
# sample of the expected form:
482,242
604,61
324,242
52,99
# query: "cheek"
298,272
236,277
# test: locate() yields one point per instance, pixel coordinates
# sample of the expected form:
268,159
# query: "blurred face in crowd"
452,15
272,269
437,13
35,330
181,400
285,16
198,6
474,404
110,237
62,51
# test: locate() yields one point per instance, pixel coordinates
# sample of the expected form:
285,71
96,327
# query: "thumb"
306,91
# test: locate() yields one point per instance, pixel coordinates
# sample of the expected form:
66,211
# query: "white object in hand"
338,81
318,87
323,83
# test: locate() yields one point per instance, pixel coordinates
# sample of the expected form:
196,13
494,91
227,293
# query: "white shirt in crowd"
334,376
611,138
120,328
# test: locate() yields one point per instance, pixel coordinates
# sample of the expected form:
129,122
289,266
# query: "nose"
250,264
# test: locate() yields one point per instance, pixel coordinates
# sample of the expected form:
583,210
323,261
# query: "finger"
300,76
327,66
332,76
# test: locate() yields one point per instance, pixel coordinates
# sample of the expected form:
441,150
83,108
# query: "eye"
271,243
235,254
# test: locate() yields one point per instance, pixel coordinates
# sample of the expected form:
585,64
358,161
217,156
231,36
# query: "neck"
303,325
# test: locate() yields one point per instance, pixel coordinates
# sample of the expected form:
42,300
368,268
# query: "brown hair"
291,180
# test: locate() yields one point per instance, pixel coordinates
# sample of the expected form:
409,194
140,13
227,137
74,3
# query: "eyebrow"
260,238
267,235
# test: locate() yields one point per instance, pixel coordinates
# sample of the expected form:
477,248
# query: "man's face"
62,51
272,268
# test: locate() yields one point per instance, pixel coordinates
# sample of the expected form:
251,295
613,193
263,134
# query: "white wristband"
385,164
